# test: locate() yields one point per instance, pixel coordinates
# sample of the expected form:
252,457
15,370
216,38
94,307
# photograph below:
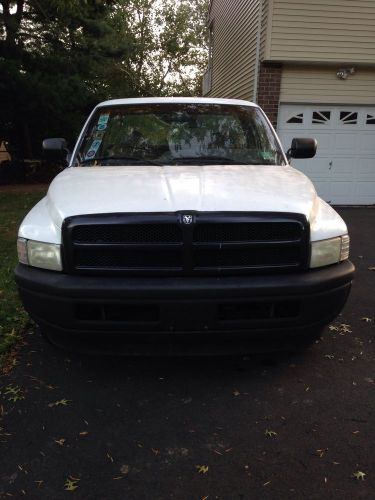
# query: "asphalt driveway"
210,428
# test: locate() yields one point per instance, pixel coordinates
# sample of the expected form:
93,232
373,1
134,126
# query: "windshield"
177,134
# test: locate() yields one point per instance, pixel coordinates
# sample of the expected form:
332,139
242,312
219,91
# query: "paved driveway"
204,428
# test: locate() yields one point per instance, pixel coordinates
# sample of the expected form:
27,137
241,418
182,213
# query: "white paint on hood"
224,188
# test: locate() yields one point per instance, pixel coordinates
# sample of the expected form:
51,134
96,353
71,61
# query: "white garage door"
343,171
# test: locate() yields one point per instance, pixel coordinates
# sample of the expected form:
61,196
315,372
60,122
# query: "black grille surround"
169,244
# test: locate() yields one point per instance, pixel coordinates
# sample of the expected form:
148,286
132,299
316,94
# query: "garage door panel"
341,189
367,190
366,143
343,170
366,168
315,170
344,143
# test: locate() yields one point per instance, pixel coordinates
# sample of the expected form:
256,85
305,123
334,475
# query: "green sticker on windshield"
267,155
103,121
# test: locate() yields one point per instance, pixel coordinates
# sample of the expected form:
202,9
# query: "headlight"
332,251
39,254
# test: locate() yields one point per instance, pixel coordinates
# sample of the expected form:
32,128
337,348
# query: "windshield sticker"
93,149
267,155
102,122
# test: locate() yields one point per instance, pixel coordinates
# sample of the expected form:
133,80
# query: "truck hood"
100,190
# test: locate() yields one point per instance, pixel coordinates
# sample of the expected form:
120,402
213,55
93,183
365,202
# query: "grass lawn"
15,202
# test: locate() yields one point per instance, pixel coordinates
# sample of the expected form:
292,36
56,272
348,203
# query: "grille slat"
213,243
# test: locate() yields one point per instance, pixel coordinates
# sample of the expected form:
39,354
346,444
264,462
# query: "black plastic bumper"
205,307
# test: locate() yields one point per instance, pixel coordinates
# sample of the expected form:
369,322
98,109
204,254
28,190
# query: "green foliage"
58,58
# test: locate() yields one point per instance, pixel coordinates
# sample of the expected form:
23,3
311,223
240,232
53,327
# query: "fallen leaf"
270,433
155,451
202,469
60,402
109,456
366,320
344,328
124,469
83,433
322,452
71,483
14,393
359,475
333,328
60,441
329,356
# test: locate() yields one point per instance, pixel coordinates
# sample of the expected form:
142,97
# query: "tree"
58,58
170,47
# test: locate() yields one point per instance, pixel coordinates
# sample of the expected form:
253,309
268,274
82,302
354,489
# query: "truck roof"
164,100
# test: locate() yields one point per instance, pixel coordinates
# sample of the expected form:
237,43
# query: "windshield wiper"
115,159
215,159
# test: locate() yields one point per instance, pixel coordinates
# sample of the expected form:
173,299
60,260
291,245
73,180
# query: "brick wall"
269,89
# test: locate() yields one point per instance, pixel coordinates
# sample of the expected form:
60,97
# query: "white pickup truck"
179,221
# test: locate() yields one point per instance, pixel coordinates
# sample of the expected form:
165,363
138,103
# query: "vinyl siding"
340,31
264,28
311,84
234,48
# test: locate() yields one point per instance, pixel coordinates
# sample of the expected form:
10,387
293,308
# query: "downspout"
257,53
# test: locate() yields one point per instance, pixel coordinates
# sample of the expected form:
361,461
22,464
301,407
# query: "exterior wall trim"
257,54
267,51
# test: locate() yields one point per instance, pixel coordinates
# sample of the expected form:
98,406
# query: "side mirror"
302,148
55,148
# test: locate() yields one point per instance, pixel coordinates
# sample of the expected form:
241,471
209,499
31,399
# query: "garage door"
343,171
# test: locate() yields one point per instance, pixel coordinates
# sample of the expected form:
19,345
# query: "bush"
29,172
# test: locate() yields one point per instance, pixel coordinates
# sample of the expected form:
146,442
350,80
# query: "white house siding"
312,84
234,48
322,31
264,28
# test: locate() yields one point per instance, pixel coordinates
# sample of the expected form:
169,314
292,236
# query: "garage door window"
321,117
348,117
296,118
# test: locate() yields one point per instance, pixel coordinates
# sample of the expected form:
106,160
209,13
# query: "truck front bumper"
156,311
